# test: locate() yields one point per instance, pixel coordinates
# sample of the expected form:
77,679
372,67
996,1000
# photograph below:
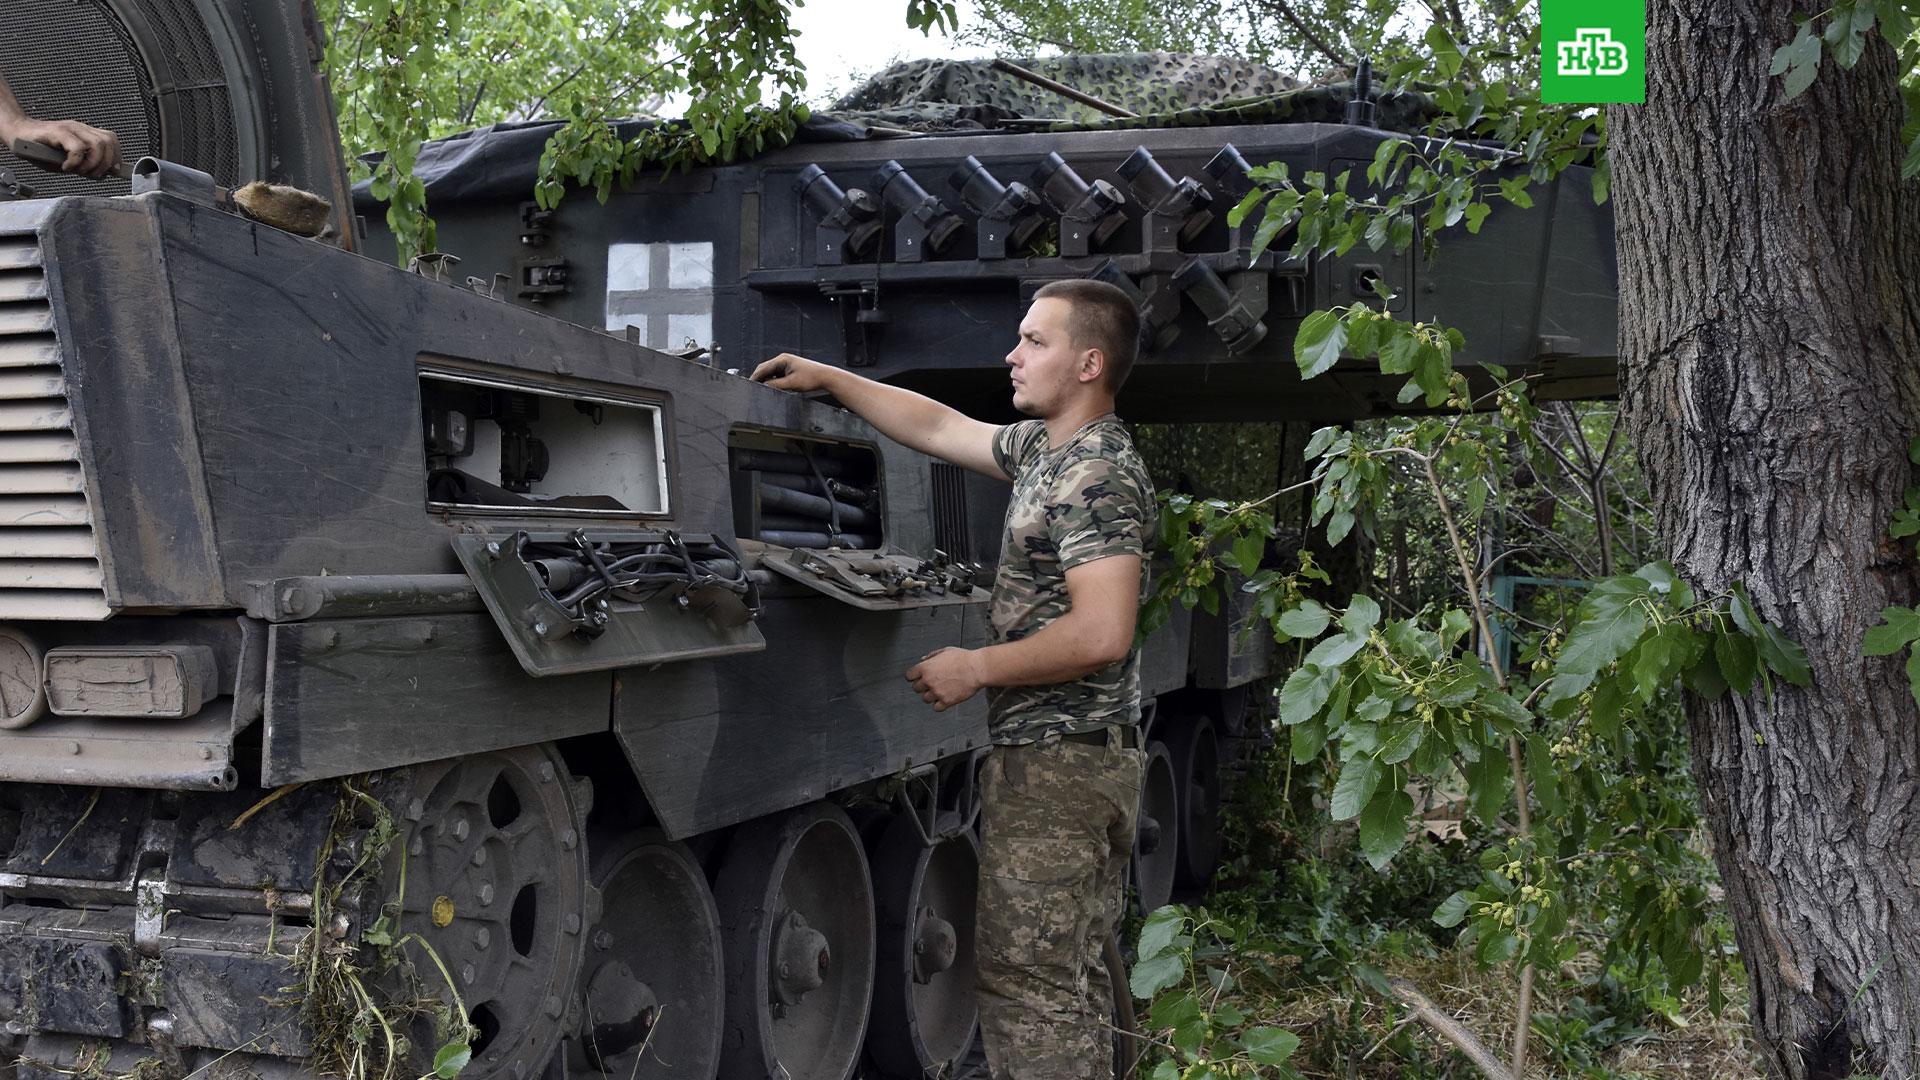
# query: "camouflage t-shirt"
1089,499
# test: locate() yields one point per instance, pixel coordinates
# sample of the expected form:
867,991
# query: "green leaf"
1334,651
1338,526
1376,234
1168,1069
1280,214
1160,930
1899,627
1153,975
1309,620
1304,692
1652,663
1607,629
1799,60
1398,352
1738,660
1405,739
1382,157
1320,440
1895,22
1245,206
1401,231
1476,213
1703,677
1247,552
1318,345
1784,656
1510,713
451,1059
1269,1045
1489,781
1847,31
1361,616
1364,327
1446,53
1174,1011
1497,948
1453,909
1546,781
1383,825
1913,675
1358,778
1190,1036
1307,741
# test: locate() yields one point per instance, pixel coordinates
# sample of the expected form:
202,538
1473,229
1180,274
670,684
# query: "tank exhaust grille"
49,556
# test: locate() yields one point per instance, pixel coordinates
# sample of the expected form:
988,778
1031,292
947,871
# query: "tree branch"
1522,1020
1449,1029
1293,19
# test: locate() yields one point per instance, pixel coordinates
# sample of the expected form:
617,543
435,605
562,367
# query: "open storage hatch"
514,448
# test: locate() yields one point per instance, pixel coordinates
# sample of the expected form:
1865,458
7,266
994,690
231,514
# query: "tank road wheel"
656,984
924,1013
1195,753
796,915
1156,839
496,884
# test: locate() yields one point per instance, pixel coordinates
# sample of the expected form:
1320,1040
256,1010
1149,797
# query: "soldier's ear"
1093,365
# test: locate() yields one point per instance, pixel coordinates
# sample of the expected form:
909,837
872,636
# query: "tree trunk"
1768,330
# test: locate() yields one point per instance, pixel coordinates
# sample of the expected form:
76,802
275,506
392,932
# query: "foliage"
1434,182
404,71
1308,38
1568,772
361,1027
1185,966
1313,933
1899,627
1841,33
1024,26
1396,704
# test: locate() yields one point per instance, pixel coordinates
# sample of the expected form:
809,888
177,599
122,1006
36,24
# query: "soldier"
91,151
1061,786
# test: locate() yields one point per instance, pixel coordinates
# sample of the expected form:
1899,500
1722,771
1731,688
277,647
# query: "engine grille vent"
49,556
120,91
950,531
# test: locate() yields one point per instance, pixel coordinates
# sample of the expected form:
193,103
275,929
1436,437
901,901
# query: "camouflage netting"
1166,89
1157,82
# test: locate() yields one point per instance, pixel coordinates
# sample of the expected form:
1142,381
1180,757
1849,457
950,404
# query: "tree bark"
1769,336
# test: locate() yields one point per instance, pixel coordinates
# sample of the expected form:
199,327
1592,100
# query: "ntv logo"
1592,52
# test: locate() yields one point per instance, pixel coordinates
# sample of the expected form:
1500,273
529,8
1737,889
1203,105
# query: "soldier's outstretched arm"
913,420
91,151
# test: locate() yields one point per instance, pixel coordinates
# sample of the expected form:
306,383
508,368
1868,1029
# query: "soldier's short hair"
1101,316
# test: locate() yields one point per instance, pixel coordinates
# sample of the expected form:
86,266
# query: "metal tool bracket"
519,581
877,580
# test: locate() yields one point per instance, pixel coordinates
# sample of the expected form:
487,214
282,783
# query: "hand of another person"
790,372
946,677
91,151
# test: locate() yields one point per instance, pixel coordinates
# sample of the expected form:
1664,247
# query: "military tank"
470,673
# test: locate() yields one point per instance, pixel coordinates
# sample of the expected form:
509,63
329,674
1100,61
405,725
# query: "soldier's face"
1048,371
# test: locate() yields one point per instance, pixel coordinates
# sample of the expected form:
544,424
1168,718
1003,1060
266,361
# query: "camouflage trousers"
1057,829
